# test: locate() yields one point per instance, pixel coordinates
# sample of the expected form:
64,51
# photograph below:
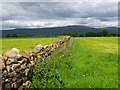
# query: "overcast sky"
94,13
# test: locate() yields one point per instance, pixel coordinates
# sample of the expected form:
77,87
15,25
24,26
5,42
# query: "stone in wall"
17,68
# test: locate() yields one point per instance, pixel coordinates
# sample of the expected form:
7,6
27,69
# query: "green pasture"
24,43
91,62
88,63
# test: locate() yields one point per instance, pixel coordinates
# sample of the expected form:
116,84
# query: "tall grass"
88,63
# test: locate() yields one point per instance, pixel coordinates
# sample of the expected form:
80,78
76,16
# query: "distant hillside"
55,31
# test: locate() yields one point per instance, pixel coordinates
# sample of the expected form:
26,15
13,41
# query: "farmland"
24,43
88,63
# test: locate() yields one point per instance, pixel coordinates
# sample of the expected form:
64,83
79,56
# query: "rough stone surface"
17,68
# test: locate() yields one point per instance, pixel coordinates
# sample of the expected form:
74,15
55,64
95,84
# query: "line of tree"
16,35
103,33
98,34
13,35
73,34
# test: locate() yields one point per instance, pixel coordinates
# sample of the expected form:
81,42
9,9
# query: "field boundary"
17,68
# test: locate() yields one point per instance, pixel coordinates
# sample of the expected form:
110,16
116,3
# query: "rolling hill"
55,31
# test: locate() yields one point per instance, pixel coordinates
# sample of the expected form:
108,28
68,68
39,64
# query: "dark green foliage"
73,34
89,34
98,34
8,35
104,33
15,35
81,35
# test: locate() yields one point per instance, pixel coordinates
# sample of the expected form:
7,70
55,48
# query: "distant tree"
81,35
8,35
98,34
63,34
73,34
105,33
15,35
29,36
113,35
90,34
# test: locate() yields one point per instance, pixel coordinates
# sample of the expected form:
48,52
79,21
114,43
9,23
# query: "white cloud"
59,0
52,14
58,23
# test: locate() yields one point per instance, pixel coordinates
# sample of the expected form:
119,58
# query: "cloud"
50,14
59,0
55,23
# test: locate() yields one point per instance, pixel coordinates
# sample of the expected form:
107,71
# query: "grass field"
88,63
24,43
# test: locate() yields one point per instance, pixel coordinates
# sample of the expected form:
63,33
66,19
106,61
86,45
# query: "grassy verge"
88,63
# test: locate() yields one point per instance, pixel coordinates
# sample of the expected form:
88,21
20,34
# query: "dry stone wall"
17,68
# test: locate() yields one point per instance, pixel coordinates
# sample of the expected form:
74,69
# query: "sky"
57,13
